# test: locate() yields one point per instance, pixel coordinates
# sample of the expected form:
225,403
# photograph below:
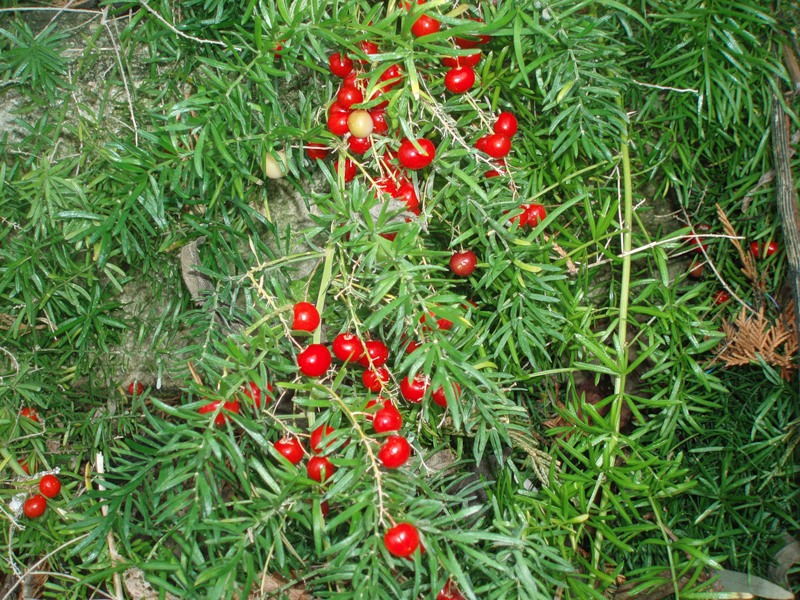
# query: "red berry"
348,96
497,145
450,592
506,124
34,506
721,297
414,159
401,540
306,317
462,61
443,324
346,347
463,263
412,346
386,185
383,402
392,76
337,123
375,379
323,431
395,452
459,79
696,270
319,468
386,419
341,66
425,25
481,143
49,486
376,353
135,389
406,193
533,215
380,105
24,466
369,48
231,405
763,250
440,398
290,448
335,107
351,80
30,413
252,391
359,145
414,390
473,41
314,361
379,124
350,169
491,173
316,151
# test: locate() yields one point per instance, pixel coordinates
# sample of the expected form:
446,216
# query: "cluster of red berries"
314,361
759,251
49,487
359,125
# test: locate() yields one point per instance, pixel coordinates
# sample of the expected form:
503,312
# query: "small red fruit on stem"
348,96
306,317
763,250
290,448
341,66
401,540
323,431
376,353
320,469
463,263
34,506
440,398
349,169
135,389
30,413
50,486
221,418
395,452
412,158
462,61
532,215
347,346
337,123
497,145
414,390
720,297
450,592
386,419
506,124
316,151
459,79
375,379
314,361
425,25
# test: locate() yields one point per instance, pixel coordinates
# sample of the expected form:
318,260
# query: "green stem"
625,284
609,452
